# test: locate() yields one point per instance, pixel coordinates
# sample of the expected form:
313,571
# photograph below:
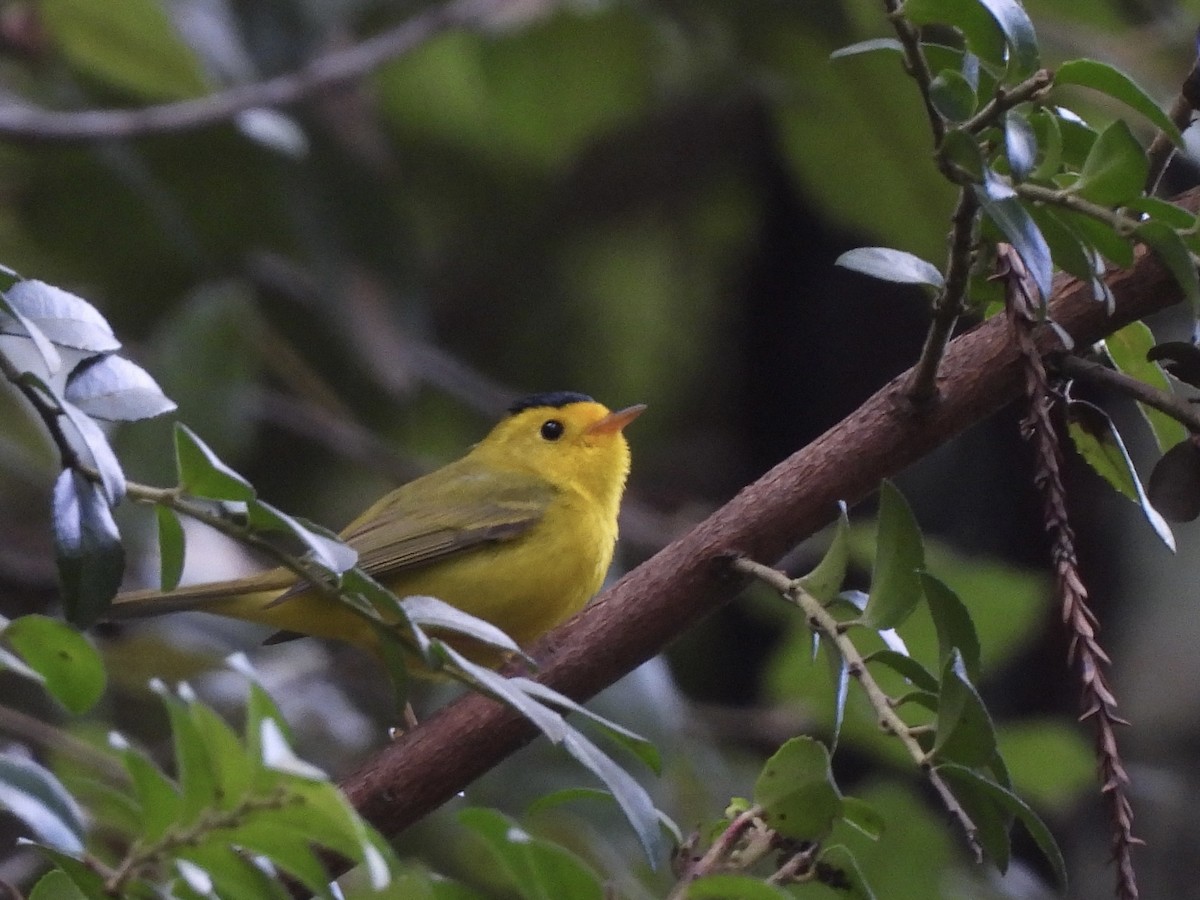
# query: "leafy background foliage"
643,202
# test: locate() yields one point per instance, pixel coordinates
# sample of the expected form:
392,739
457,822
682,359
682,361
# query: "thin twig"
719,852
1006,98
41,734
1099,702
1162,148
1124,225
821,620
1175,407
28,123
917,66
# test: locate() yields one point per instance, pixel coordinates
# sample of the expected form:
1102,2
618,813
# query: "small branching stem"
1032,88
1175,407
917,66
1120,223
797,867
722,849
889,720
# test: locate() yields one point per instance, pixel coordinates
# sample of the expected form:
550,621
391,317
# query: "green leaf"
1102,77
232,768
67,320
170,547
1050,139
868,46
964,729
1068,250
727,885
979,27
1115,169
114,389
1018,32
891,265
1164,211
87,545
905,666
952,95
1174,254
797,791
130,44
824,581
56,885
156,795
955,630
330,553
538,869
1022,232
70,666
961,149
863,817
1128,349
899,554
1020,145
37,798
430,612
193,768
1099,443
840,672
201,472
959,776
837,867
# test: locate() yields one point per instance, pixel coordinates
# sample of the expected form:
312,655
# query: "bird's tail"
257,590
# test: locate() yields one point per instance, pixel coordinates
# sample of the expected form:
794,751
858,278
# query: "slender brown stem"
1175,407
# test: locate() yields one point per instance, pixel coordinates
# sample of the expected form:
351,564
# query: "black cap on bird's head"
553,399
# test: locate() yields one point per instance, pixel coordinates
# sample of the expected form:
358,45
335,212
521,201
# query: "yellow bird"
519,532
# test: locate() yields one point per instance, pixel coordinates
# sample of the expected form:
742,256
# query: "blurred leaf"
1174,254
996,185
1100,444
538,869
1011,804
1051,760
1022,232
824,581
727,884
891,265
1181,359
67,320
797,791
955,630
837,867
130,44
979,27
330,553
1018,32
1049,139
202,474
964,729
97,447
170,547
952,95
70,666
112,388
1114,247
841,686
1174,487
895,584
905,666
87,546
1115,169
1130,349
863,817
56,885
1020,144
194,770
961,148
868,46
157,797
1102,77
1164,211
1067,248
37,798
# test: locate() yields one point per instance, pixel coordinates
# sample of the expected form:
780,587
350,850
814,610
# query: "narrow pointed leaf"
1020,145
13,322
201,472
826,579
868,46
1022,232
891,265
899,554
170,547
1174,254
1018,32
850,881
330,553
841,681
965,733
1108,80
430,612
955,630
906,667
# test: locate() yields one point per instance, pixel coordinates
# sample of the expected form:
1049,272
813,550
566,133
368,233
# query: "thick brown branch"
654,603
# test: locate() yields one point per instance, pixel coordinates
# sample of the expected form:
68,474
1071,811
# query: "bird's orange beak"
615,421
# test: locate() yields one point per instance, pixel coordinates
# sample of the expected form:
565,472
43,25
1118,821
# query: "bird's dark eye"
552,429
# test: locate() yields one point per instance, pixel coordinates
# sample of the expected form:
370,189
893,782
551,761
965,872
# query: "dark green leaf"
797,791
193,768
201,472
1102,77
37,798
96,445
170,547
1099,443
1020,145
1068,250
70,666
906,667
955,630
891,265
1022,232
826,579
232,768
979,28
287,845
1164,211
91,560
1129,349
566,795
1181,359
863,817
1049,138
837,867
728,885
1174,487
1114,247
114,389
952,95
899,554
1174,254
156,795
539,869
56,885
631,741
962,150
330,553
964,729
1011,804
868,46
65,319
1018,32
1115,169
